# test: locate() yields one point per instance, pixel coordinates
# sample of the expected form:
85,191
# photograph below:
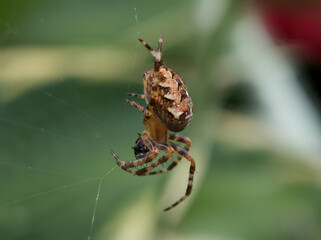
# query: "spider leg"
150,156
139,162
169,152
188,156
158,61
139,107
142,96
159,49
179,138
158,54
148,47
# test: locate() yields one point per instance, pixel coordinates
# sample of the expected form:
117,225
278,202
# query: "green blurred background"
65,69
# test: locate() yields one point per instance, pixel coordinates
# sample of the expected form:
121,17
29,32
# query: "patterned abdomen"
167,97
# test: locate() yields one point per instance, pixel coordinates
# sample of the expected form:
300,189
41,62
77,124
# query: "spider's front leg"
152,154
169,152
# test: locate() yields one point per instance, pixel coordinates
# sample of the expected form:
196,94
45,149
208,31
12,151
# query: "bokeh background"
253,71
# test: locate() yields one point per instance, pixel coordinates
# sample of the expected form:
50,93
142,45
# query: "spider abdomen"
168,98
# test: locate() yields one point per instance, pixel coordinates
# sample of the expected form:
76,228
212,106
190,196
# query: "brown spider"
169,107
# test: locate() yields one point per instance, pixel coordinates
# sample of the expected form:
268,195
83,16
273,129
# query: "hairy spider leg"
159,49
158,54
169,152
189,157
178,138
142,96
126,165
148,47
150,144
146,112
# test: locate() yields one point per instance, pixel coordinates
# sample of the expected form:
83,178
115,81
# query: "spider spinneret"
169,107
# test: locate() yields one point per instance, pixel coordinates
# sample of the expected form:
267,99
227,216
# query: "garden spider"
169,107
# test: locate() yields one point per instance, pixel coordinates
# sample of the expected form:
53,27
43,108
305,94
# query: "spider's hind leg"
180,138
188,156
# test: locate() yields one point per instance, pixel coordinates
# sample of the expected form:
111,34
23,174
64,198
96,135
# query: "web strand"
41,170
82,101
46,192
96,201
49,133
70,106
138,36
83,179
136,18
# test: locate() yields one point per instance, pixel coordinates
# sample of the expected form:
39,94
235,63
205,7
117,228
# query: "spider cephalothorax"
169,107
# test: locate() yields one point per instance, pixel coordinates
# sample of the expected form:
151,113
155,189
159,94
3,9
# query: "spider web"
55,140
18,126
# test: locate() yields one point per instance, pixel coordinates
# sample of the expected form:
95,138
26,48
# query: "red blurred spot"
295,24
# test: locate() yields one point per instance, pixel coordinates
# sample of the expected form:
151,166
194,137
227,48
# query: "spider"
169,108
